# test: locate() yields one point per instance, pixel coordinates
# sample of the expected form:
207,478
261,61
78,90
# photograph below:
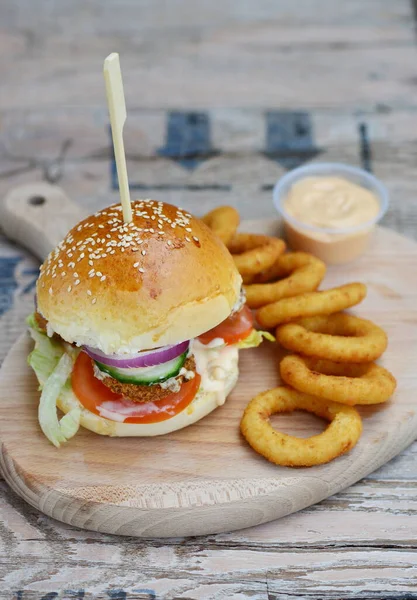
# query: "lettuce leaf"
52,366
255,338
46,354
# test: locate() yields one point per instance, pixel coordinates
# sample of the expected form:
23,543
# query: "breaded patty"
145,393
40,321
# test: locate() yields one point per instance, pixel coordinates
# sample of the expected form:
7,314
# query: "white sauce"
49,329
213,364
215,343
240,302
120,410
99,374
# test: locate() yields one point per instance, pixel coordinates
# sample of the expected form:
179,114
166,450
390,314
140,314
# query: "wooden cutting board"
203,479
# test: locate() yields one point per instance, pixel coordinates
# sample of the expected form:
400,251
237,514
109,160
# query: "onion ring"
223,221
350,384
340,436
340,337
311,304
302,273
254,252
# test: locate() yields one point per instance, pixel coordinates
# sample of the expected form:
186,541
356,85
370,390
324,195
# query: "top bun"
119,287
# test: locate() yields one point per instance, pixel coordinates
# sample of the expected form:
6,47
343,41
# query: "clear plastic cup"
333,246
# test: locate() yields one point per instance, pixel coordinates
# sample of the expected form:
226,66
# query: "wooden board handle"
37,216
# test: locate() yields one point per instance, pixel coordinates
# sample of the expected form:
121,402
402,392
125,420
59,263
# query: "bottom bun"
203,404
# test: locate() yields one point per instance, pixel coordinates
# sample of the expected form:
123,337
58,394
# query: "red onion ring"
142,359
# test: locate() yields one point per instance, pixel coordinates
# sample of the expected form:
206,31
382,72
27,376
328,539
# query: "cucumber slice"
146,375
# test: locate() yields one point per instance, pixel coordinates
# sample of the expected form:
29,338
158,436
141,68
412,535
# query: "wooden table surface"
223,97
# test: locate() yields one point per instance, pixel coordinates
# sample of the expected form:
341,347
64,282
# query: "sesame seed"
143,252
91,274
94,300
99,274
89,292
90,262
188,229
195,238
136,264
50,291
169,243
69,288
103,278
77,282
141,270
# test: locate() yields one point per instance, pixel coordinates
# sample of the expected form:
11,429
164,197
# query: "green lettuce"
52,366
46,354
255,338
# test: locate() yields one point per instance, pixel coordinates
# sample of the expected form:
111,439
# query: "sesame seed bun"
118,287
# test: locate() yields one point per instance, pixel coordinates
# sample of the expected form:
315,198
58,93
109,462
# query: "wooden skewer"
117,111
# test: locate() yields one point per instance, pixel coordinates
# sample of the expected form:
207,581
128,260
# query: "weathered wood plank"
180,64
109,16
221,573
382,73
374,512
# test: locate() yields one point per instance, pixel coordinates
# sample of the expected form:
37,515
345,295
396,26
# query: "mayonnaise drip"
214,364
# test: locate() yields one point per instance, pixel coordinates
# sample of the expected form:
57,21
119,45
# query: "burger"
137,325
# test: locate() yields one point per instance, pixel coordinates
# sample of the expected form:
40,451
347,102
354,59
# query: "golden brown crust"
122,287
145,393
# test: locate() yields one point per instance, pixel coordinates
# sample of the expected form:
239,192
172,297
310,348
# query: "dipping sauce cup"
330,210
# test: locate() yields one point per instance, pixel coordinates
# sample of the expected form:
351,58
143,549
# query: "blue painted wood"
289,138
8,281
200,141
188,139
365,147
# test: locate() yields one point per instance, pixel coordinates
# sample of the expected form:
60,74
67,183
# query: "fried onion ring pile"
363,383
340,436
223,221
333,367
292,274
253,253
339,337
311,304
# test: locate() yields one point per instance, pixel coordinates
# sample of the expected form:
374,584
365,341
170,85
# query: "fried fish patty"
145,393
41,322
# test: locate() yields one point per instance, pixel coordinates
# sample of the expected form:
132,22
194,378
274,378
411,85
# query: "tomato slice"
234,329
92,394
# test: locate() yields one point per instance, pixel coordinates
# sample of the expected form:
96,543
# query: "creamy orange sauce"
331,203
